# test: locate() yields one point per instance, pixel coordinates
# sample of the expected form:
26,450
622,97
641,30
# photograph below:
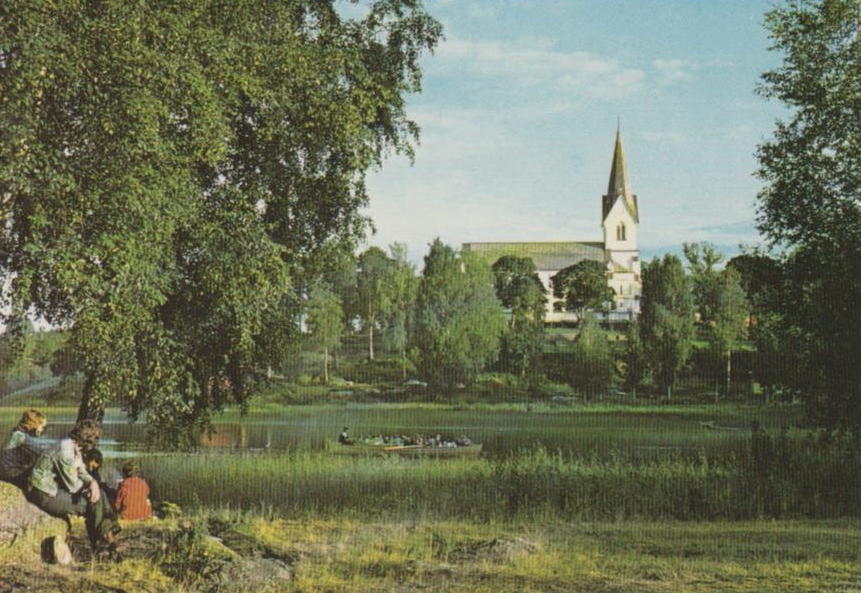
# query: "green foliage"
325,322
730,316
583,286
705,278
186,555
592,361
810,205
764,477
765,284
380,371
384,296
518,287
170,170
398,315
520,291
372,292
636,364
459,320
666,319
26,355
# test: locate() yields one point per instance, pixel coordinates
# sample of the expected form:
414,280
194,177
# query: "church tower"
620,220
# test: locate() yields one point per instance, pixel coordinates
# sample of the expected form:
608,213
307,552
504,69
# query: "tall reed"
769,478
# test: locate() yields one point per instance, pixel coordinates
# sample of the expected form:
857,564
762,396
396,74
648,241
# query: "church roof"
619,184
547,255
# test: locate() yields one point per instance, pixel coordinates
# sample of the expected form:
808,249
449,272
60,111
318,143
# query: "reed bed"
770,479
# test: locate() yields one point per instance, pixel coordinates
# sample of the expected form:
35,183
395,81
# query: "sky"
520,106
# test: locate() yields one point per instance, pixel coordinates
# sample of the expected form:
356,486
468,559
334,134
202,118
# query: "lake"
578,431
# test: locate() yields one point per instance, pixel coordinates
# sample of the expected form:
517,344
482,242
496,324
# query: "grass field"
349,556
565,500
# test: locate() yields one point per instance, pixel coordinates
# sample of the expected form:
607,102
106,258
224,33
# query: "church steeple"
619,185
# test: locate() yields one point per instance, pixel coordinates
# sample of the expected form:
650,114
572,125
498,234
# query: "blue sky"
519,112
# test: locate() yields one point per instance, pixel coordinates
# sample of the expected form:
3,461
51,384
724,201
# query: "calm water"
577,433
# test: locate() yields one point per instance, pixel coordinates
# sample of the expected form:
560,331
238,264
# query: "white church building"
618,251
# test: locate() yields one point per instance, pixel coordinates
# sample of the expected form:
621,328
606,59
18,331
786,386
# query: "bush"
383,369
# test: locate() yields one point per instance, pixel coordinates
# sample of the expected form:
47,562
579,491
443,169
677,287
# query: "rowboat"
406,450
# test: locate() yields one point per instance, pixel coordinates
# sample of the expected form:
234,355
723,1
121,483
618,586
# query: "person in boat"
60,485
23,448
344,437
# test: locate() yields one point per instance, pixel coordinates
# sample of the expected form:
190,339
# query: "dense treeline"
373,318
707,331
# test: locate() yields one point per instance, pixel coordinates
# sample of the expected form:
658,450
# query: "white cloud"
535,62
673,71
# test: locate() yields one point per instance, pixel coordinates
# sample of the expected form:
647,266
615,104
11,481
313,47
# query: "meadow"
539,462
730,497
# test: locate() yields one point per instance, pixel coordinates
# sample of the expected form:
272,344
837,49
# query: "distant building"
618,251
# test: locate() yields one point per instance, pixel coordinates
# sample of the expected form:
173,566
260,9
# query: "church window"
620,232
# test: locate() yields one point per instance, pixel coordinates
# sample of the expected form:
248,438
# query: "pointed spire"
619,184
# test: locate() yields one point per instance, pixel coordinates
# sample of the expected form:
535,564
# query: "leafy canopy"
458,317
666,319
583,286
168,170
810,205
520,291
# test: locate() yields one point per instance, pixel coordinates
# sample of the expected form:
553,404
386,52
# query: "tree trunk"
371,337
325,366
728,370
90,407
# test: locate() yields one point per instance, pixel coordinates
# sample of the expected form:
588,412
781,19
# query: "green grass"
345,555
775,478
585,510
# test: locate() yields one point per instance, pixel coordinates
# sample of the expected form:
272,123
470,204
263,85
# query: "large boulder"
25,530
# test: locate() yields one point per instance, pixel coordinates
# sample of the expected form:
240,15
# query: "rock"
25,530
494,551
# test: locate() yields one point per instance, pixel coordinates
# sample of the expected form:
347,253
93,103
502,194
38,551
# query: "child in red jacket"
132,501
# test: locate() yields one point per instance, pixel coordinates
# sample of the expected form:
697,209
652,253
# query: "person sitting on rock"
132,501
61,486
29,428
21,452
107,476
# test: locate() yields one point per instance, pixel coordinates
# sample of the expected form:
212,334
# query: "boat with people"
418,446
472,450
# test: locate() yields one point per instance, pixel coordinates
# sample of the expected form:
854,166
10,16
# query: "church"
618,251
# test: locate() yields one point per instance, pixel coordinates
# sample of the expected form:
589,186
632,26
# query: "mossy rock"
24,528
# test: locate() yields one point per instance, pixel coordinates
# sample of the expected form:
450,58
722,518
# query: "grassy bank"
567,498
349,556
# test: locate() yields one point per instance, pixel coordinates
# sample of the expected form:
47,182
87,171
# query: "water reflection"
123,438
